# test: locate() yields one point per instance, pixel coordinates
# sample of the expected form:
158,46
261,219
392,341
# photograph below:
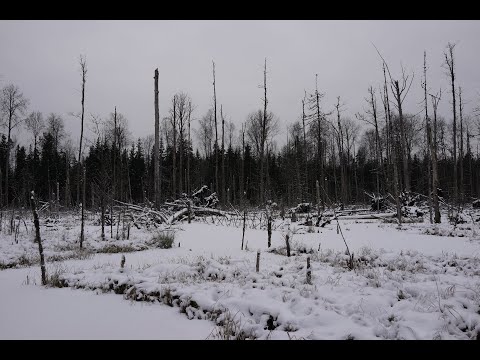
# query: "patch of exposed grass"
114,249
163,240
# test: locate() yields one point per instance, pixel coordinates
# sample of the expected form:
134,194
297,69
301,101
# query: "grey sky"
41,57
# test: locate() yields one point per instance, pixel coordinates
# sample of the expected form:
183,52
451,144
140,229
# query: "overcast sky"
41,57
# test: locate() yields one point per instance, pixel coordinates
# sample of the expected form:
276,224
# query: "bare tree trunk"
82,229
341,155
174,150
403,150
287,243
244,222
269,228
114,155
156,146
58,198
83,68
305,146
333,168
433,151
263,136
7,162
449,60
223,155
320,153
378,149
189,185
429,139
309,272
38,239
242,170
102,206
460,156
216,131
386,107
67,186
396,181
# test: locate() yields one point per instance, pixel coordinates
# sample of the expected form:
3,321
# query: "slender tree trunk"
451,67
156,147
7,162
263,136
102,206
341,156
189,185
320,145
460,156
403,150
216,131
82,229
174,150
429,139
114,154
433,151
223,156
38,239
67,185
83,66
305,155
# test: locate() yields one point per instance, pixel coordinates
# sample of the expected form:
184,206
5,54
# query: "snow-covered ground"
406,285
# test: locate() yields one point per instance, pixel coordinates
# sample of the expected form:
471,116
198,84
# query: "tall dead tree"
450,65
173,120
216,130
393,138
190,109
388,127
319,116
114,153
429,137
341,155
264,135
156,147
372,102
223,157
460,155
305,155
400,91
435,100
13,105
182,111
83,71
242,169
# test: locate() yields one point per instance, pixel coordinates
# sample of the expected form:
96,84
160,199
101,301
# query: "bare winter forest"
332,227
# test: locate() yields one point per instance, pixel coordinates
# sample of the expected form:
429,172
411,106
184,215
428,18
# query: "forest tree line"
384,150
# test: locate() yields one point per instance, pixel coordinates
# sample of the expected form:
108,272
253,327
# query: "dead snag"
38,238
309,272
258,261
244,222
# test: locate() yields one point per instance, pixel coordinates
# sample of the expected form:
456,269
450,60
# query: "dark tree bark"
449,62
38,239
461,154
216,130
83,70
82,229
435,101
156,147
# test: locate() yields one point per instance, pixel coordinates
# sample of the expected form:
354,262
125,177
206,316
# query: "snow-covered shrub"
163,240
54,276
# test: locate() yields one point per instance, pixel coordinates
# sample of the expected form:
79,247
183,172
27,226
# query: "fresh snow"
408,284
